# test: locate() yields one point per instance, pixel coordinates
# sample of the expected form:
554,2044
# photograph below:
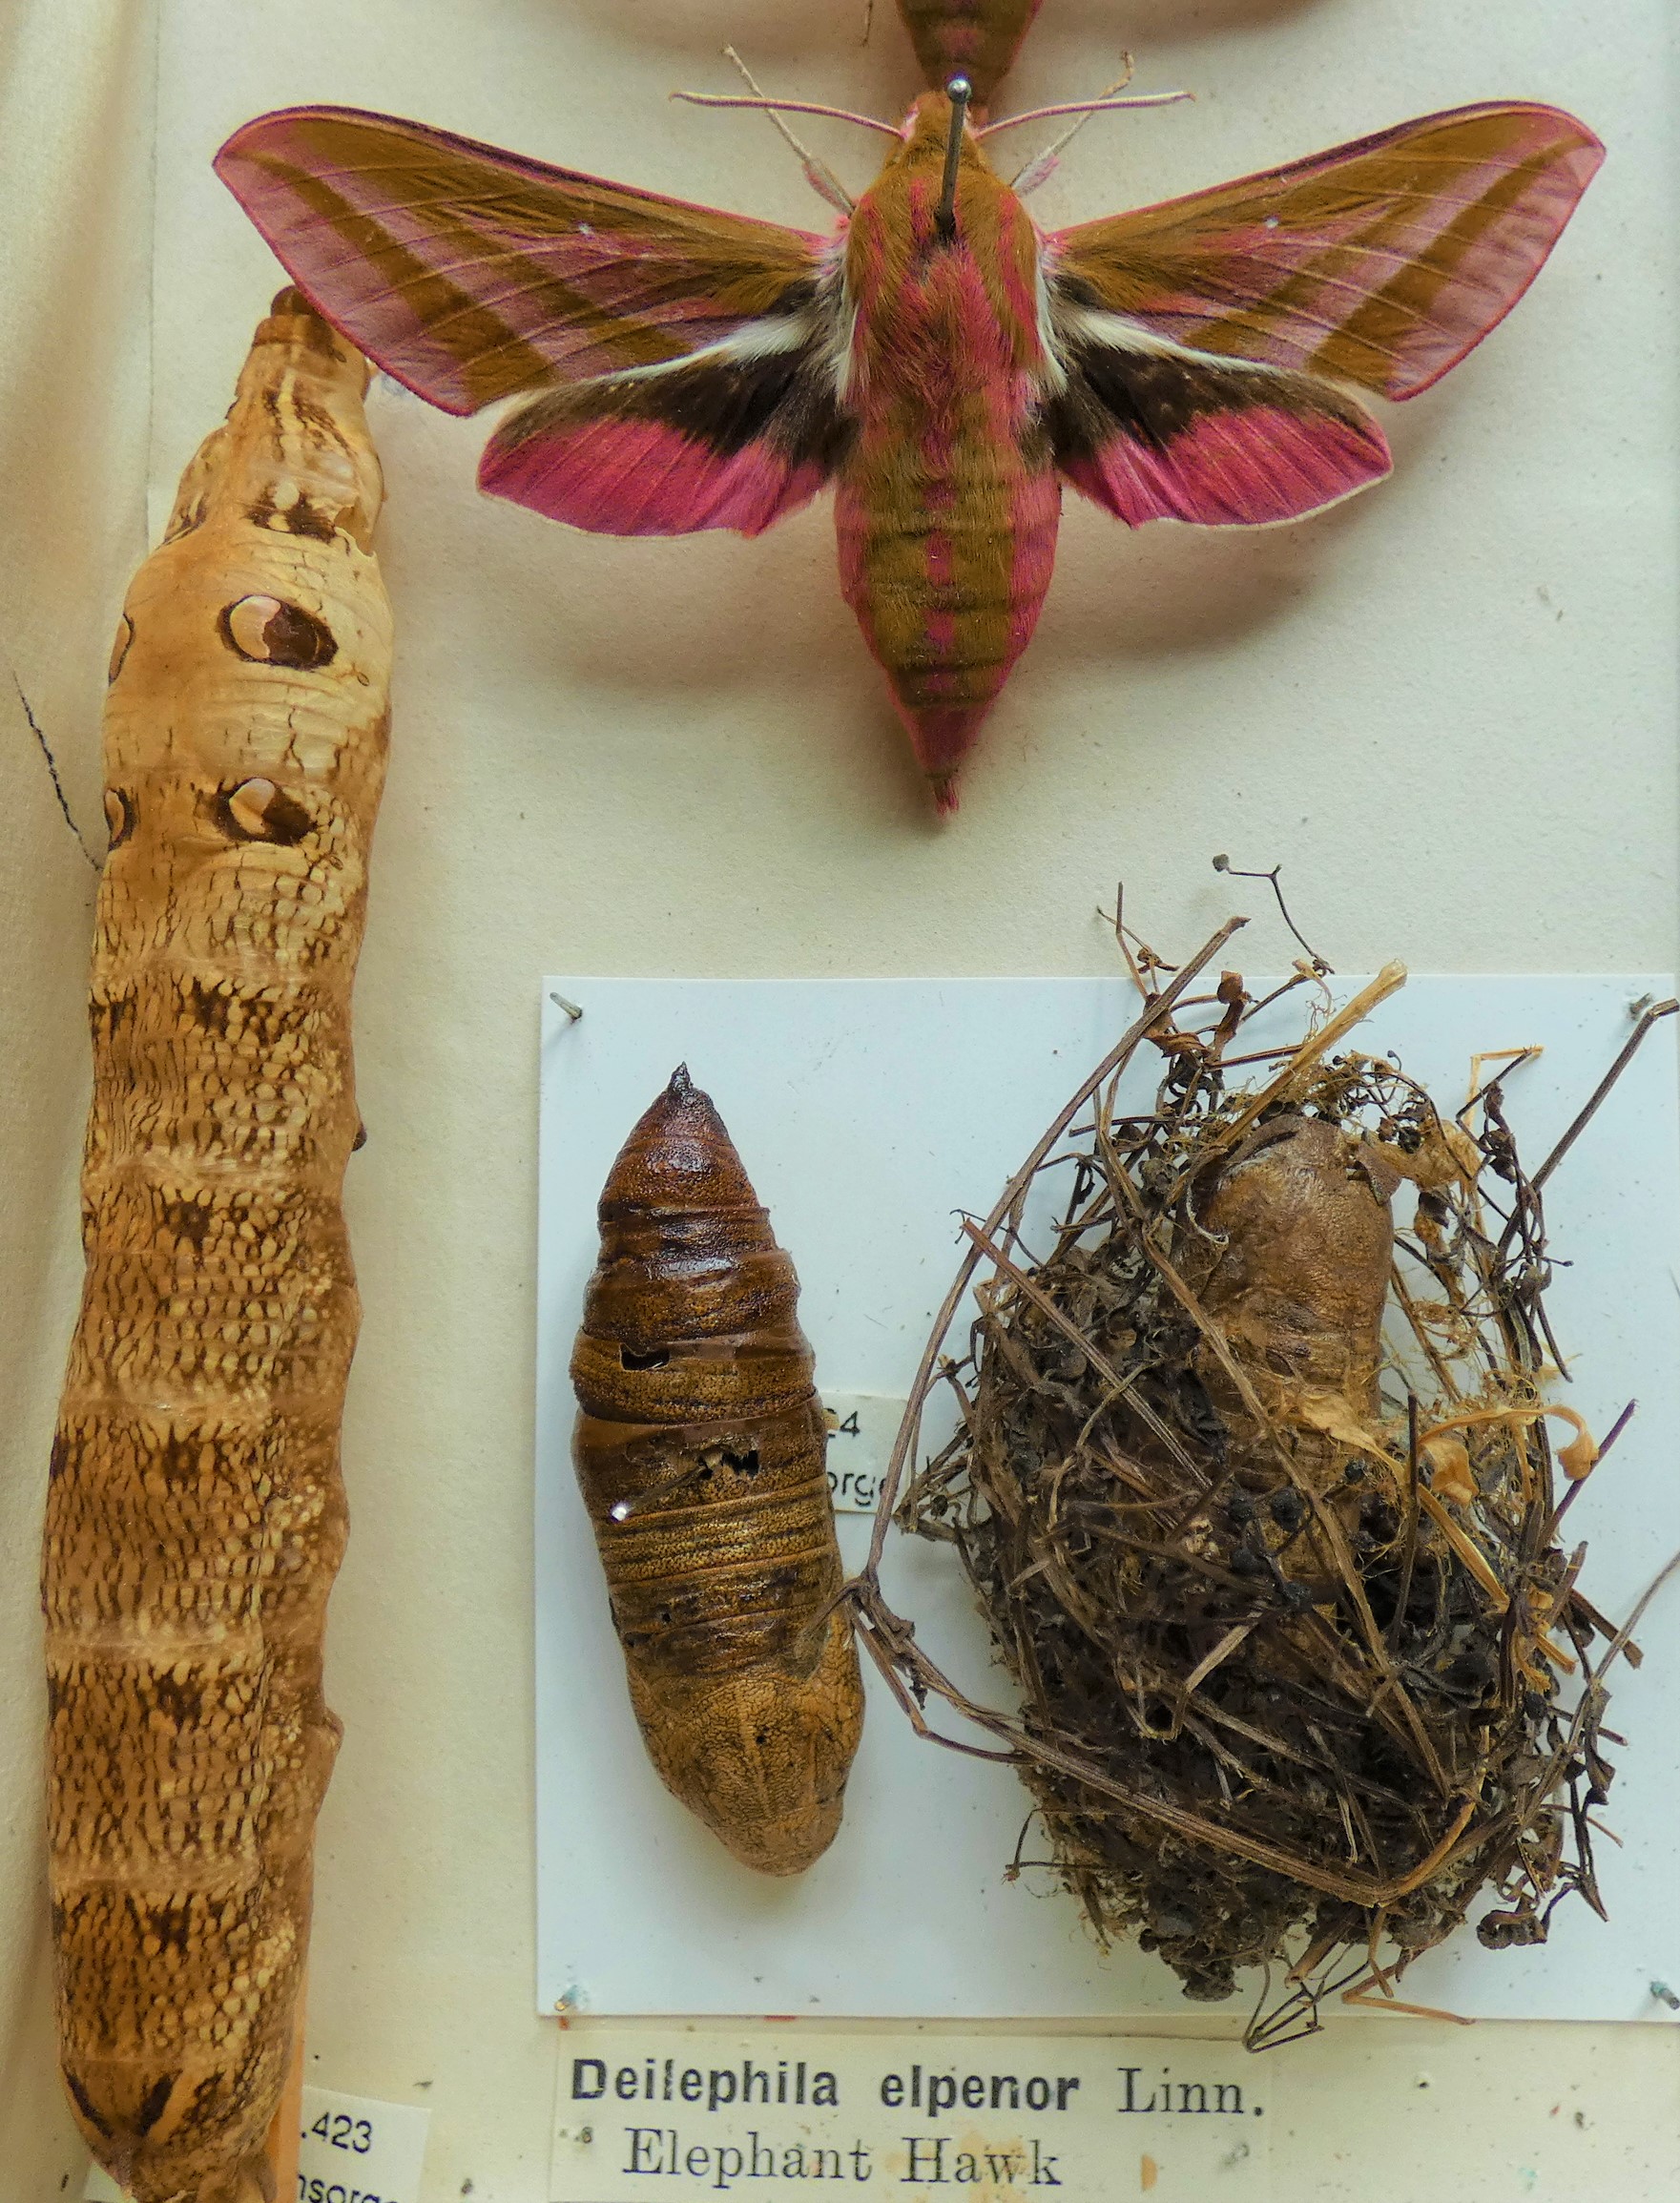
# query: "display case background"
1448,708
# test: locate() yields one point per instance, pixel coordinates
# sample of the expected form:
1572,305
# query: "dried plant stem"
1157,1010
1274,1687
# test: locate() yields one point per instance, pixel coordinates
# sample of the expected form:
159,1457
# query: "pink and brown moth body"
948,502
1197,361
700,1448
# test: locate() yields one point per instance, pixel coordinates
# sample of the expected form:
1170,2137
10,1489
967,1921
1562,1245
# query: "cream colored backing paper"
1448,708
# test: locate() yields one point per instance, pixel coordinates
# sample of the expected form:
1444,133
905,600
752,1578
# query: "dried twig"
1236,872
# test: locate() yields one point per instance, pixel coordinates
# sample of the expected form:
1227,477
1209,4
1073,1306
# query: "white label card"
644,2109
353,2151
861,1427
853,1104
356,2151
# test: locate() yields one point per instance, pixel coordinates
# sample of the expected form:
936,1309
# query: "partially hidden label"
660,2109
352,2151
861,1427
356,2151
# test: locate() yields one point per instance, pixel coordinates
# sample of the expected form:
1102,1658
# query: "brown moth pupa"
700,1448
1294,1265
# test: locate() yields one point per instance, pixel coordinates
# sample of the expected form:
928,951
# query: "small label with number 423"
353,2151
356,2151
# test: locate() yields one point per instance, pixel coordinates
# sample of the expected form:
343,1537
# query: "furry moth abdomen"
699,1450
196,1515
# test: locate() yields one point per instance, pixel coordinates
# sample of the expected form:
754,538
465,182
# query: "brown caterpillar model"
196,1515
700,1453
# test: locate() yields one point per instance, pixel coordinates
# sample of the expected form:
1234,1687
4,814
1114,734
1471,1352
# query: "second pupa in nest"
1254,1480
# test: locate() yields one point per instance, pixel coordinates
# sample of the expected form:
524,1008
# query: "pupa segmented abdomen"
699,1450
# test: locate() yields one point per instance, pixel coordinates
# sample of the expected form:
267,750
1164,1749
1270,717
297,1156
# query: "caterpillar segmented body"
699,1450
196,1515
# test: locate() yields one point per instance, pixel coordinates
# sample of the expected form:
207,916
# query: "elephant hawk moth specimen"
945,364
700,1448
196,1514
1251,1479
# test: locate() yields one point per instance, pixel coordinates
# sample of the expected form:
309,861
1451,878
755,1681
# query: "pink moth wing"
470,274
1378,264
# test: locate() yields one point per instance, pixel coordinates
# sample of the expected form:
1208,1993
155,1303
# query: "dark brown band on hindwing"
1155,398
718,399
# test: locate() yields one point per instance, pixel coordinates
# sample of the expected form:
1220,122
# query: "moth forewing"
700,1452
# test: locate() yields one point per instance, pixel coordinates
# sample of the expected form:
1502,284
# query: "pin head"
958,89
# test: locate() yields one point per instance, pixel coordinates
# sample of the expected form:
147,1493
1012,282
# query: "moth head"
936,165
929,124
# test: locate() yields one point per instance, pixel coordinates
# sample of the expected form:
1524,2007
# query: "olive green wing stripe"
469,273
1381,263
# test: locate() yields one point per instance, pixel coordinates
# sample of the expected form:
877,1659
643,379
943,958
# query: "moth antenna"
959,91
868,21
774,107
817,174
1106,104
797,107
1043,165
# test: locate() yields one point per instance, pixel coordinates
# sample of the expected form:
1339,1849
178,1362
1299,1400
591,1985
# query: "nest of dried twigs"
1277,1570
